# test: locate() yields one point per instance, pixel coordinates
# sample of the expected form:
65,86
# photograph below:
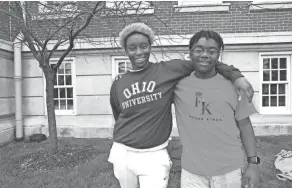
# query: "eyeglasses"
200,51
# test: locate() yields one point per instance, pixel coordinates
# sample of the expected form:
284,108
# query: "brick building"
257,37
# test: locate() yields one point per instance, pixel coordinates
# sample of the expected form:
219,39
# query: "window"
57,6
197,2
64,88
201,6
129,7
268,4
275,84
120,65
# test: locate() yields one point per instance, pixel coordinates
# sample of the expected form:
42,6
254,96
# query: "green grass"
82,163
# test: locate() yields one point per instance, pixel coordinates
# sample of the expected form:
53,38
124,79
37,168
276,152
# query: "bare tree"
42,23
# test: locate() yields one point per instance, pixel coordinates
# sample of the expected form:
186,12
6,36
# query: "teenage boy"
213,123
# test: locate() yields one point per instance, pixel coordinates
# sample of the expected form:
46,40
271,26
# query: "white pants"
229,180
147,169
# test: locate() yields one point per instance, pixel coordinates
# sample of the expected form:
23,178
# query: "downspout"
18,88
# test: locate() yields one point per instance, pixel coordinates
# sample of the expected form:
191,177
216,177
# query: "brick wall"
239,19
4,22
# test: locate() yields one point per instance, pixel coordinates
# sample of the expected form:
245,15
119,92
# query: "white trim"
73,72
270,5
144,8
276,110
197,2
6,45
46,13
222,7
43,9
174,40
115,68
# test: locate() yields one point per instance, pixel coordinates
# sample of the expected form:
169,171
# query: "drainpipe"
18,88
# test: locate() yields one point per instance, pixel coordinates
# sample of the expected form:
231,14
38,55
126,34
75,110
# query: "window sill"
50,16
65,112
274,111
141,11
222,7
271,5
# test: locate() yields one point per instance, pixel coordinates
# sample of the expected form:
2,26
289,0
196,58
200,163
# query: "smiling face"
138,50
204,54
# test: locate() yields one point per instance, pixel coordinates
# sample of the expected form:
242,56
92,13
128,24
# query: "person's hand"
244,87
251,176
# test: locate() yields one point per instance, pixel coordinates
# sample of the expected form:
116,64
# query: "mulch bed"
66,157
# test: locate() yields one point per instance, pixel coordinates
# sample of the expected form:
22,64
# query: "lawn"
82,163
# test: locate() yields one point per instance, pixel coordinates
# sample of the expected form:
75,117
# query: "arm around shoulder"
228,71
241,83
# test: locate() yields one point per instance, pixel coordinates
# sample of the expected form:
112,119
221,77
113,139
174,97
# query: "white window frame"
115,65
276,110
44,9
144,8
198,2
201,6
64,112
268,4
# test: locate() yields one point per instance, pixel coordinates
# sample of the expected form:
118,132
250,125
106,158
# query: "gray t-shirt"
206,114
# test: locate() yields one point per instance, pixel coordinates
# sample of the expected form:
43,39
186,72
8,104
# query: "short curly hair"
136,28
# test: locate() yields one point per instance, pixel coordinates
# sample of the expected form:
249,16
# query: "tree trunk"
51,110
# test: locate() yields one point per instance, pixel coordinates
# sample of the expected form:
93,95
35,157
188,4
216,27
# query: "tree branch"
74,35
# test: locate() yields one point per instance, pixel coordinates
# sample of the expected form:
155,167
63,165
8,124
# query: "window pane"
68,80
282,101
266,63
55,81
67,65
273,88
283,64
61,80
61,69
69,92
266,75
274,63
265,89
62,104
275,75
68,68
282,89
283,75
56,93
265,101
56,104
273,100
62,93
122,67
70,104
129,65
68,71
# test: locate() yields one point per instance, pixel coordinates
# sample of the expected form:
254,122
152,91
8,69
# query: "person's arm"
228,71
114,101
243,111
233,74
251,175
